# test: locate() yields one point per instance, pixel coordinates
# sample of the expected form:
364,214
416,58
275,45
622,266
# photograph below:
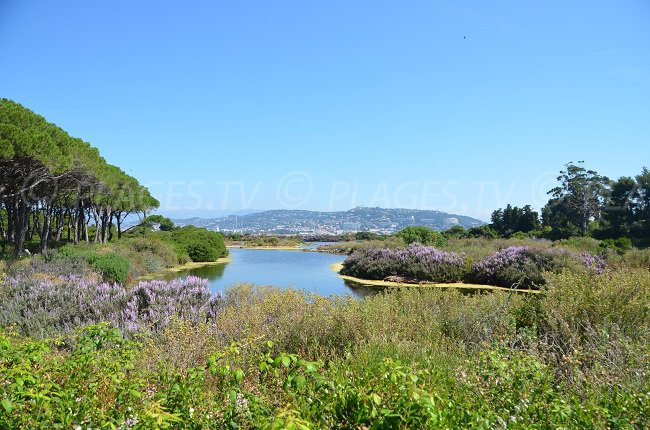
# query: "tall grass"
574,356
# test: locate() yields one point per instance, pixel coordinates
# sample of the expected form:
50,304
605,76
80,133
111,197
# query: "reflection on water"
211,273
309,271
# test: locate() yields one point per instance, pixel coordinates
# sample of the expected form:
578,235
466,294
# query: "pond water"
280,268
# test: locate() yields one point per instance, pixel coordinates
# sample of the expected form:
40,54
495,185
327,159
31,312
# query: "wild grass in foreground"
573,357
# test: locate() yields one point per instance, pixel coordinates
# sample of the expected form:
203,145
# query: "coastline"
181,267
268,248
336,267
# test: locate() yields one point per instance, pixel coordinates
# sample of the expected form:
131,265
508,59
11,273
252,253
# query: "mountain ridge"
299,221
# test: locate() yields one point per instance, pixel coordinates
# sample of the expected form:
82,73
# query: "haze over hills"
309,222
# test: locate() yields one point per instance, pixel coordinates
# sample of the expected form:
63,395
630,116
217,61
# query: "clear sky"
461,106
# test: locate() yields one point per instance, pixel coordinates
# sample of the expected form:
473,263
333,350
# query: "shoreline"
181,267
336,267
268,248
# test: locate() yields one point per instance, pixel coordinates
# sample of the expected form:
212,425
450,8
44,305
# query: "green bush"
455,231
423,236
483,231
635,258
182,239
200,252
112,267
588,244
69,251
619,245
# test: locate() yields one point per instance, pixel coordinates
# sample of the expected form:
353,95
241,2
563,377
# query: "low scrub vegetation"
572,357
514,266
125,260
193,243
262,241
39,305
526,267
416,262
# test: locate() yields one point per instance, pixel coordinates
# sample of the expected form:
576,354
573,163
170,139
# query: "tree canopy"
51,182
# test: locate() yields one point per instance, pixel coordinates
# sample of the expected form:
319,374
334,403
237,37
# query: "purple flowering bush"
594,263
519,266
152,304
46,305
416,261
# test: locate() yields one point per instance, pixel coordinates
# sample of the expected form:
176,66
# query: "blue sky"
461,106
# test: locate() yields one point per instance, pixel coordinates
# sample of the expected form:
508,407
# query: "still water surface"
285,269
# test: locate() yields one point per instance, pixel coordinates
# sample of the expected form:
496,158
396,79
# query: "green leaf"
239,375
376,399
286,361
6,403
300,381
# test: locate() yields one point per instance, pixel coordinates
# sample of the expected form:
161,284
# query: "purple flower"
416,261
594,262
44,305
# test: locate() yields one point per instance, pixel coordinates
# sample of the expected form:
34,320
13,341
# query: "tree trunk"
110,226
119,226
79,224
21,223
85,227
59,224
3,233
45,231
96,216
105,220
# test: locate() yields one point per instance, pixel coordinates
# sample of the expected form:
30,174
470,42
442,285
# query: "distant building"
351,226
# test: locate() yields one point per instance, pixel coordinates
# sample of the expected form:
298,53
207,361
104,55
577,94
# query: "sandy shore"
268,248
388,284
181,267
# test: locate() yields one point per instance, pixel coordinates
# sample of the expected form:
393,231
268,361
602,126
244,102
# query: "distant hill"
309,222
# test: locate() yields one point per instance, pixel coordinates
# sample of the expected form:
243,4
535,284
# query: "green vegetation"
54,186
83,345
56,189
511,220
573,357
260,241
193,243
423,236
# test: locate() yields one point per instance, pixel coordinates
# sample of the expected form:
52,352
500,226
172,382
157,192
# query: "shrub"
422,235
157,248
619,245
519,266
419,262
152,304
580,243
47,306
112,267
573,301
56,265
183,238
593,262
200,252
455,231
636,258
482,231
